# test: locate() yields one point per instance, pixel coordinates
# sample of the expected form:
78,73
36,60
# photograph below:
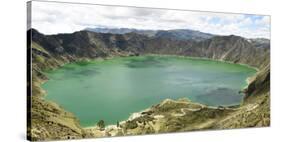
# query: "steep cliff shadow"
83,63
88,72
220,96
67,68
149,61
80,69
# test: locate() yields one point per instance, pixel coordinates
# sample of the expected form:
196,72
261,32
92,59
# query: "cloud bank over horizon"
53,18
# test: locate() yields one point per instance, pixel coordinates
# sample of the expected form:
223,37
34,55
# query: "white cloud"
52,18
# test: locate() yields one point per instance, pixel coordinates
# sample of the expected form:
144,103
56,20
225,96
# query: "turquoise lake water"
111,90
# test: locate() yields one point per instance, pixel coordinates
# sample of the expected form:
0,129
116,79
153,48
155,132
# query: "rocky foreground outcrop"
49,121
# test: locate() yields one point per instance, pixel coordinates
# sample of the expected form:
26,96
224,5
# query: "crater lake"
112,89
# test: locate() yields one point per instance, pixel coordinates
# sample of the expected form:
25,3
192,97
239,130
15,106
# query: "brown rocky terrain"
49,121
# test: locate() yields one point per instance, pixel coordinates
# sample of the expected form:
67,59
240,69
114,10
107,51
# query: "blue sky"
52,18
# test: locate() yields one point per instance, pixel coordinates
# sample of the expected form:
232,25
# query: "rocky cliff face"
49,121
85,44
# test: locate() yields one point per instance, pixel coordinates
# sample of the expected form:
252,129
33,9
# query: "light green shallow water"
113,89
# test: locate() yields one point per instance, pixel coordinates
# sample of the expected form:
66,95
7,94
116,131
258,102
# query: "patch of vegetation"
101,124
39,59
131,125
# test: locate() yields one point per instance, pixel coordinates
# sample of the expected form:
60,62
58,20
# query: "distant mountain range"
260,42
122,31
177,34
